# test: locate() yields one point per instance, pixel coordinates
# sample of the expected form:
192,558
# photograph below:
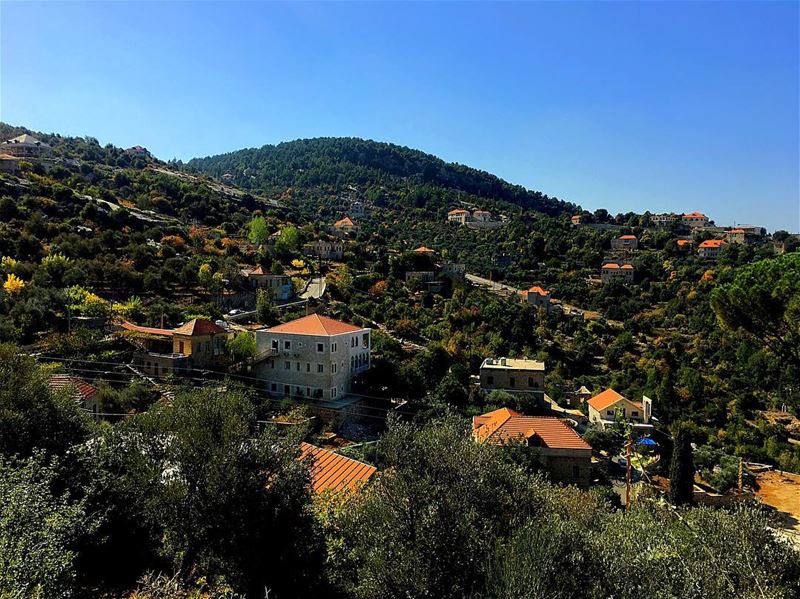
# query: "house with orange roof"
576,219
345,226
331,471
617,270
200,343
424,250
312,357
710,248
737,235
685,244
514,375
83,393
537,296
695,220
604,408
459,215
625,242
279,285
560,450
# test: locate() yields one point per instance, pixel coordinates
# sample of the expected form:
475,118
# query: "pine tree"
681,472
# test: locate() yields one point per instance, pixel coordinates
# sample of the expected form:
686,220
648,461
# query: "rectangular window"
334,347
333,368
635,413
287,365
609,412
365,341
273,387
320,347
531,382
298,367
333,392
308,366
511,382
320,368
287,390
274,344
490,380
287,345
576,471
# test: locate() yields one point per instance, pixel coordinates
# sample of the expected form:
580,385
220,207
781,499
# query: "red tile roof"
538,291
683,242
424,250
694,215
199,326
316,325
345,222
737,231
610,266
458,211
608,398
81,390
129,326
628,237
331,471
505,424
627,266
712,243
255,271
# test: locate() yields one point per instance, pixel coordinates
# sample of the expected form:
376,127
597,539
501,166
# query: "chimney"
647,404
502,361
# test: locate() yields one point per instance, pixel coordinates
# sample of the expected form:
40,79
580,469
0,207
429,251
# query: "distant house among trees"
613,270
459,215
9,163
513,375
625,242
695,220
604,408
537,296
710,248
345,226
83,393
25,146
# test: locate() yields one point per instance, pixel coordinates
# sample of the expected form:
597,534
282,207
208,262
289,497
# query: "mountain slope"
337,161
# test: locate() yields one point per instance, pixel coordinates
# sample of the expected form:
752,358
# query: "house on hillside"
312,357
662,220
138,151
685,245
695,220
710,248
459,215
625,242
425,250
736,236
537,296
25,146
345,227
754,230
513,375
325,250
577,398
454,270
334,472
561,452
576,220
613,270
198,344
481,216
83,393
279,286
9,164
604,407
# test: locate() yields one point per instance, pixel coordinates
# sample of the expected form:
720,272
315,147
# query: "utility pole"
741,462
628,473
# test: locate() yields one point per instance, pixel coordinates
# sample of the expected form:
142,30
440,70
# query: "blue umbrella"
647,441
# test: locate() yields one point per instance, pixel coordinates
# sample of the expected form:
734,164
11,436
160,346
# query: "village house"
736,236
427,278
9,164
25,146
197,344
314,356
575,399
710,248
612,270
325,250
685,244
83,393
576,219
334,472
604,407
536,296
626,242
513,375
559,449
481,216
345,227
425,251
753,230
453,270
661,220
279,286
459,216
695,220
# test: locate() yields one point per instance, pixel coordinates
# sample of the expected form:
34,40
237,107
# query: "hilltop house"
603,409
9,164
345,227
612,270
25,146
83,393
736,236
459,215
334,472
710,248
626,242
279,286
695,220
314,356
513,375
561,452
197,344
685,244
536,296
481,216
576,219
325,250
661,220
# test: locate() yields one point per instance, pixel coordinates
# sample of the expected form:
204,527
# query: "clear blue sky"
627,106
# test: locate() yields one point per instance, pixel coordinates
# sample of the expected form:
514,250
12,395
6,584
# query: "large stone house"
314,356
561,452
25,146
325,250
198,344
603,409
512,375
345,226
661,220
625,242
279,286
459,215
9,163
695,220
710,248
612,270
537,296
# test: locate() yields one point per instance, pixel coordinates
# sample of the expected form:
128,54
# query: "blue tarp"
647,441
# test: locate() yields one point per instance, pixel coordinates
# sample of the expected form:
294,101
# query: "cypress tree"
681,472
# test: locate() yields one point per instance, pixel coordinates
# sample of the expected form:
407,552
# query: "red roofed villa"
537,296
459,215
345,226
603,409
561,451
83,393
334,472
695,220
626,242
710,248
612,270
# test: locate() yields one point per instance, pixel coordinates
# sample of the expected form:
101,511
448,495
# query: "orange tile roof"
683,242
607,398
129,326
459,211
628,237
611,266
538,291
81,390
712,243
424,250
199,326
694,215
332,471
255,271
737,231
505,424
315,325
627,266
345,222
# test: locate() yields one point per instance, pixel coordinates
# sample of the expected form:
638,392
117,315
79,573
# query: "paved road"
315,288
492,285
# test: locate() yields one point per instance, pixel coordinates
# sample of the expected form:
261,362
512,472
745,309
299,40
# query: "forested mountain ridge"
338,161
